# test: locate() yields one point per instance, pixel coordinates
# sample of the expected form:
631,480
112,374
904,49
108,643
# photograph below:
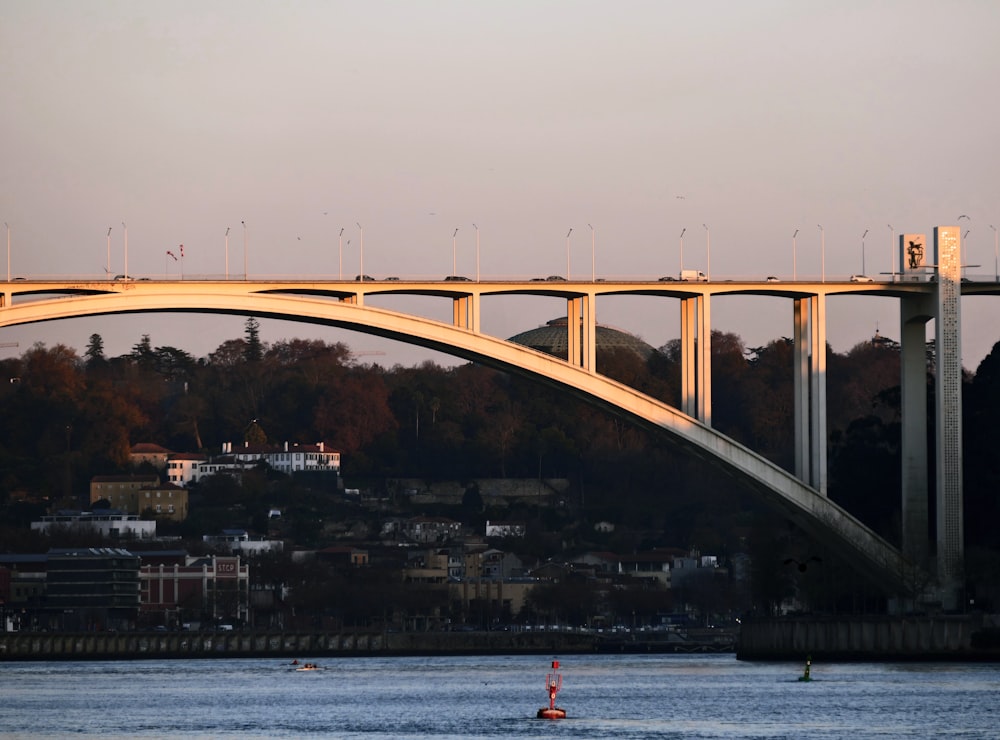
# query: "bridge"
924,292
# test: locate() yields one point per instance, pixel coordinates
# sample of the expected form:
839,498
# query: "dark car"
459,278
363,277
556,278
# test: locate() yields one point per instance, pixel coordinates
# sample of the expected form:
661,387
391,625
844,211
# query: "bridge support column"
465,312
817,393
914,313
800,387
581,327
809,388
948,405
696,358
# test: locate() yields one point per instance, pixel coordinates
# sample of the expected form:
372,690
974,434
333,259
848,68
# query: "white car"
861,279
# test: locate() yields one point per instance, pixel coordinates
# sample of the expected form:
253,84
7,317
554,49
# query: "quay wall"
129,645
956,638
15,646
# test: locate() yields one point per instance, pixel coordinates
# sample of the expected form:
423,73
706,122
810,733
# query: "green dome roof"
552,337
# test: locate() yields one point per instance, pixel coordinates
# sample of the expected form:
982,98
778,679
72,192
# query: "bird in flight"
965,217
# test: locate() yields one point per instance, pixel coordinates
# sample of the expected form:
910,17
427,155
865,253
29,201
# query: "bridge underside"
804,505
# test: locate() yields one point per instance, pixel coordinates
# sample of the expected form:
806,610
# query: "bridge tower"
944,306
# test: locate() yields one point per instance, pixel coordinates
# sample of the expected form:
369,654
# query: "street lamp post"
965,237
227,253
477,251
107,267
682,251
822,254
996,265
708,253
7,226
361,250
794,274
863,252
593,254
567,251
892,239
340,253
454,252
125,237
246,276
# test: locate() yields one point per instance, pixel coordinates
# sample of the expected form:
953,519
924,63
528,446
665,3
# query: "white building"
240,541
110,523
290,458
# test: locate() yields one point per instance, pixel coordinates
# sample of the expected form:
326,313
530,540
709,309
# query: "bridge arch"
815,513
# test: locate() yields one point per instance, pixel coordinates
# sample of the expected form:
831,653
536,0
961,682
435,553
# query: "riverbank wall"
930,638
162,645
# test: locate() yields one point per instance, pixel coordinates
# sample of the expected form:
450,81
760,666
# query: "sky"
738,123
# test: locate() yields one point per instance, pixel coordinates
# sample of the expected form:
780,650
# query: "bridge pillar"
948,405
465,312
696,358
809,390
817,393
914,313
800,387
581,337
573,328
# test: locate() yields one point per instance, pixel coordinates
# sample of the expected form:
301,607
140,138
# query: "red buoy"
553,682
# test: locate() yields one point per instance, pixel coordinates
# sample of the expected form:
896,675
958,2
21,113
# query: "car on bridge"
457,278
363,277
861,279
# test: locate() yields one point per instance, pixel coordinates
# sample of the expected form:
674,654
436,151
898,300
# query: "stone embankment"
149,645
941,638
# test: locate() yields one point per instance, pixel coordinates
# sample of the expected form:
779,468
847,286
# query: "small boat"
308,667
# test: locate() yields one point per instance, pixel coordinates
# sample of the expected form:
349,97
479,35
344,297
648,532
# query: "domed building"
552,337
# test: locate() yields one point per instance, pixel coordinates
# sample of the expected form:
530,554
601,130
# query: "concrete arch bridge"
342,304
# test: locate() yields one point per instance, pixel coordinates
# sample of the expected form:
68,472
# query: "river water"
632,697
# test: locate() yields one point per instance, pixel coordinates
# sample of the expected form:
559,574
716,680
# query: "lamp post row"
593,251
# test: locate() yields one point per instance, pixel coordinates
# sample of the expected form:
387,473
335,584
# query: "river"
632,697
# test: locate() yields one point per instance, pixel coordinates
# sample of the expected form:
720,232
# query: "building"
109,523
176,589
185,467
505,529
147,452
92,589
22,590
431,529
553,339
288,458
137,494
239,541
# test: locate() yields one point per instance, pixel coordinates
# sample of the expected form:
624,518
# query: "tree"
254,350
95,351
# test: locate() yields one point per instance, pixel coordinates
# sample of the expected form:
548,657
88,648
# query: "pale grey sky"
756,118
